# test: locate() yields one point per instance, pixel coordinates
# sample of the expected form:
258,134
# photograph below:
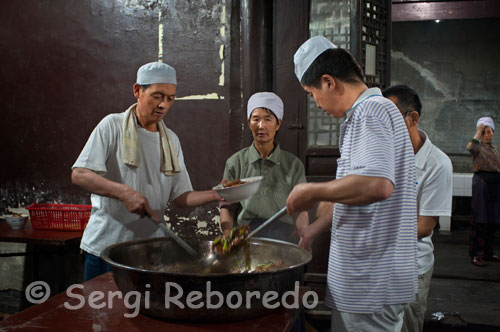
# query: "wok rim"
105,256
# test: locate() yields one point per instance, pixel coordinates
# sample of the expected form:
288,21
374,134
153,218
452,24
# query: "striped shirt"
373,250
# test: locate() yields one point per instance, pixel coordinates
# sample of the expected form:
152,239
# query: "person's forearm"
302,220
323,220
97,184
93,182
320,225
474,147
196,198
324,215
477,135
425,225
353,190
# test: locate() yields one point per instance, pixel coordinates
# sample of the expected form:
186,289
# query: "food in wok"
224,245
147,266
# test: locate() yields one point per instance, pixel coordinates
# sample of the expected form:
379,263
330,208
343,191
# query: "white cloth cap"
308,52
267,100
156,72
486,121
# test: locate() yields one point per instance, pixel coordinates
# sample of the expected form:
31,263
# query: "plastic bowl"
240,192
16,222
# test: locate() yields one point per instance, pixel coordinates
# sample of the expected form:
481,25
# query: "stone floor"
463,297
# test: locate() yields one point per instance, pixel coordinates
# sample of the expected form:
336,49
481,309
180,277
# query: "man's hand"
323,221
300,199
95,183
306,238
137,203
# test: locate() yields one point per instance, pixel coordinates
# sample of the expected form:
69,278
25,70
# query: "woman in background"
485,193
280,169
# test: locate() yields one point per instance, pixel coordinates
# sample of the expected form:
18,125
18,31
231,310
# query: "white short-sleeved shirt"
434,194
373,248
110,222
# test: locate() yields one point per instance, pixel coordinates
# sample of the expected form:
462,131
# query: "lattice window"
373,41
331,19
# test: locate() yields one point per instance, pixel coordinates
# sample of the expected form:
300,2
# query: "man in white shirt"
434,197
133,165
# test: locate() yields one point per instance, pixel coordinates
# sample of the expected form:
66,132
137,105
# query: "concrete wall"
454,66
68,63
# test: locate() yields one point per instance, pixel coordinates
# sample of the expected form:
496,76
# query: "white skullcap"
308,52
486,121
268,100
156,72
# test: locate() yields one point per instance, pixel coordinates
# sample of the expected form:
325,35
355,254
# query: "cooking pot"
171,287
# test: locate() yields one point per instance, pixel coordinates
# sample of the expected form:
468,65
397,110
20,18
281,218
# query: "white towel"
131,153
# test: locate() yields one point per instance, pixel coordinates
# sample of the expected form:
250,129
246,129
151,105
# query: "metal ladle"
175,237
213,262
209,263
266,223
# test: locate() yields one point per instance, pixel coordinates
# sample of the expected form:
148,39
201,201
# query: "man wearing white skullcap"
280,169
133,165
485,193
156,72
374,215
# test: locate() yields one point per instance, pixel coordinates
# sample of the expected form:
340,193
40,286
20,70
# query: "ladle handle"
277,215
174,236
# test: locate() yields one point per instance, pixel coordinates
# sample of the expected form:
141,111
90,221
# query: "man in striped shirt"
372,268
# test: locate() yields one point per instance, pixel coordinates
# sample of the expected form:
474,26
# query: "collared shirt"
281,171
373,248
110,222
434,194
485,157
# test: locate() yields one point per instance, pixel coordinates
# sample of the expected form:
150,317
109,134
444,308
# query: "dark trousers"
485,213
482,240
94,266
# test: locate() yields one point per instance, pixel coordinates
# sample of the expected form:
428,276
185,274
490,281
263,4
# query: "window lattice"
332,20
373,41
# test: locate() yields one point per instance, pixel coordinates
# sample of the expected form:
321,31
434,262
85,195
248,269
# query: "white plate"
240,192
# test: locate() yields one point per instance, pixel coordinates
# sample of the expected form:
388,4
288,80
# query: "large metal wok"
161,271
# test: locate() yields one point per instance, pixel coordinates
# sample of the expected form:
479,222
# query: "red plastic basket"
60,217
